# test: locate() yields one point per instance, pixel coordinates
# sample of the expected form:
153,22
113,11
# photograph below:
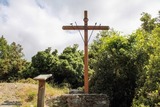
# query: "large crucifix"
85,28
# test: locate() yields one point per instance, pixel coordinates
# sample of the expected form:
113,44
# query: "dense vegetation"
125,67
67,68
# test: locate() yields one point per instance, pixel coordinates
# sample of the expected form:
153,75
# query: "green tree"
66,67
148,23
116,69
71,66
148,90
44,62
12,63
128,67
3,57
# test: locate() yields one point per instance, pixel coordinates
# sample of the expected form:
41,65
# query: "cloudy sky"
37,24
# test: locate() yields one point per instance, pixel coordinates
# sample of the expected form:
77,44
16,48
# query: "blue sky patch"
4,2
40,3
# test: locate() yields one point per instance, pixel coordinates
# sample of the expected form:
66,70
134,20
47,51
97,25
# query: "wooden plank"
85,27
43,76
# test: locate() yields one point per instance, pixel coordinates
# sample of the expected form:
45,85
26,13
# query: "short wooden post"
41,88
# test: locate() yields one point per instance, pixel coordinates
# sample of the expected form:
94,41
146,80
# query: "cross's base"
80,100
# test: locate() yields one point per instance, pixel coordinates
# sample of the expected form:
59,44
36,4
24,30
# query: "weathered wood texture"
41,88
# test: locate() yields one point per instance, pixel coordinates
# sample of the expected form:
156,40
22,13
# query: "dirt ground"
9,96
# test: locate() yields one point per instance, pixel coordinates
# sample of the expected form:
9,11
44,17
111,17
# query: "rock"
80,100
75,91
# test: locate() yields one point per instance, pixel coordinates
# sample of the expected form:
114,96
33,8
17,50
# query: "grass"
56,91
27,91
27,95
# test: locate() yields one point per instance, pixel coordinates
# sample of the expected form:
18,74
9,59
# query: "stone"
75,91
81,100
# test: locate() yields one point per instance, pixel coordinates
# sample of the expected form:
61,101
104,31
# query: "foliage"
28,80
115,70
11,61
71,67
148,22
31,96
127,67
66,67
148,94
43,62
148,90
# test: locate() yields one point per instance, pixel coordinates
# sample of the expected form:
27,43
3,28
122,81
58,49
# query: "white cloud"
37,24
31,26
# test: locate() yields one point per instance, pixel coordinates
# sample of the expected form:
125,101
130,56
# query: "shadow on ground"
11,103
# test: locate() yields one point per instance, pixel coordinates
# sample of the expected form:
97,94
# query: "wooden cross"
85,28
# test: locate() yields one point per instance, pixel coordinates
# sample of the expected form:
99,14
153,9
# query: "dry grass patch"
26,92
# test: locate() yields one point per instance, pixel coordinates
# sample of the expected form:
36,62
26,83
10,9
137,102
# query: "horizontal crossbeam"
85,27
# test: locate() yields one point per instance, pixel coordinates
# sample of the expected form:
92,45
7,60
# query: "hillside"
24,94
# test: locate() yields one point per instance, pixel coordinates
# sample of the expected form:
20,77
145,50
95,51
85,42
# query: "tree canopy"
12,62
126,68
66,67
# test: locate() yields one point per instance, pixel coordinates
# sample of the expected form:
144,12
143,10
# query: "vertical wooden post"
85,52
41,88
41,93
